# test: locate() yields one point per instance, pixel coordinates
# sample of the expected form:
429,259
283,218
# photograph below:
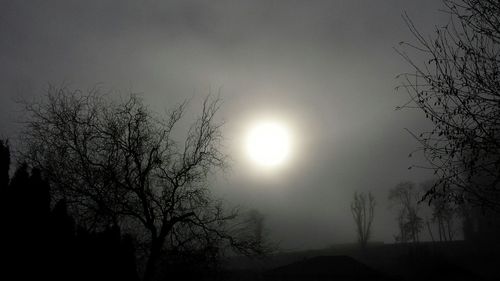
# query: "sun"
268,144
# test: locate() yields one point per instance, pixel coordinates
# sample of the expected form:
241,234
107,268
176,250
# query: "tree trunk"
450,230
157,245
440,229
154,255
430,230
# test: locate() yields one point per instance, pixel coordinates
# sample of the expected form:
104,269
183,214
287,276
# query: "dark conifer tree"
4,164
43,244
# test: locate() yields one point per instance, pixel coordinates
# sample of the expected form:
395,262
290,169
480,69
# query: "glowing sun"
268,144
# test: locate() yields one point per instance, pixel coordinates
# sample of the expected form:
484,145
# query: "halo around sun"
268,144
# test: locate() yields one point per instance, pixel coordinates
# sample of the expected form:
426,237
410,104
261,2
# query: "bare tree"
457,87
405,197
444,213
119,163
254,227
362,209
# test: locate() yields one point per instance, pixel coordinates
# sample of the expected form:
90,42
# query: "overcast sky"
324,68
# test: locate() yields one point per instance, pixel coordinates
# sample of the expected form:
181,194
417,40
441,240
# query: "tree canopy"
118,163
457,86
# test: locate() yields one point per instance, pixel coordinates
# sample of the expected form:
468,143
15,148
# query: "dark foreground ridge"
325,268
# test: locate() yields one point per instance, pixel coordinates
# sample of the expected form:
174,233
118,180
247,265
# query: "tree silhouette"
117,163
362,209
4,164
457,88
405,197
256,222
444,213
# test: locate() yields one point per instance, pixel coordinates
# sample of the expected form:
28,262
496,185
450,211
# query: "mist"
327,70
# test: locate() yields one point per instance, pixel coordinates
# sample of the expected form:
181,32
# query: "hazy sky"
324,68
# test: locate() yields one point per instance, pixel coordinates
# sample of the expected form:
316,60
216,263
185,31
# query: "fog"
327,69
